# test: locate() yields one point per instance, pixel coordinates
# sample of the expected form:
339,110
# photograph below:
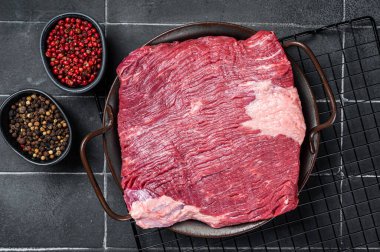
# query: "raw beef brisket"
210,129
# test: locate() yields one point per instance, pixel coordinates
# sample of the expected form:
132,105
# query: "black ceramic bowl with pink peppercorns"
73,52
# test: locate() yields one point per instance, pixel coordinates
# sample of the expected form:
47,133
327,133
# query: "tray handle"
89,171
326,87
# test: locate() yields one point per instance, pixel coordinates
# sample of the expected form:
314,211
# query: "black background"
54,208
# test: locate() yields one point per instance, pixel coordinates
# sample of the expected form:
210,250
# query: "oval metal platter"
309,108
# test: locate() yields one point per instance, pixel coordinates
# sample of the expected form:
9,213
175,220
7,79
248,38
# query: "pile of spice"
39,127
74,49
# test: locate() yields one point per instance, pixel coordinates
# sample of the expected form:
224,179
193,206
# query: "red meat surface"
210,129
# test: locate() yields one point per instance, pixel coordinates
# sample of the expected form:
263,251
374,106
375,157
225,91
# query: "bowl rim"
44,34
3,133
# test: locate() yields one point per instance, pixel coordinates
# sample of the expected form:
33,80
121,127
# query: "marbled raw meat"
210,129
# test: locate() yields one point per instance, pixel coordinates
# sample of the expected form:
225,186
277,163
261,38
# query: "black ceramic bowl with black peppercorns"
73,52
35,127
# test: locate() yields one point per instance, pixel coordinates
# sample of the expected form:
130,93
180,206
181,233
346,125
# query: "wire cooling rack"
339,208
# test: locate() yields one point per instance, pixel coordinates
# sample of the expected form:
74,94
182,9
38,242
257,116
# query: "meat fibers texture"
210,129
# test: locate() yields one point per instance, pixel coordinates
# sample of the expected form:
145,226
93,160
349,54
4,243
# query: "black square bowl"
43,44
4,126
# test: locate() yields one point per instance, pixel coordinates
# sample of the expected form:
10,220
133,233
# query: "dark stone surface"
40,10
359,8
20,54
294,12
56,208
49,211
119,234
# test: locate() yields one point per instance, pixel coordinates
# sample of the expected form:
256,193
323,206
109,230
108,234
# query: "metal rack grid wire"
339,208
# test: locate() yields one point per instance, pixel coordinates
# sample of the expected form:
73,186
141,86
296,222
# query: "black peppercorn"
38,127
